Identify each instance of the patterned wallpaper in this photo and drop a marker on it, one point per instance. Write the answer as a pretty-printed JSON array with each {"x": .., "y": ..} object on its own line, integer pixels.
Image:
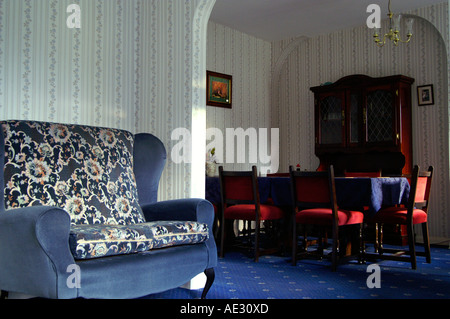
[
  {"x": 313, "y": 61},
  {"x": 133, "y": 64}
]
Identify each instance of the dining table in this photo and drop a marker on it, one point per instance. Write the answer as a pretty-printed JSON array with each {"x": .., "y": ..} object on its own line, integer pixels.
[
  {"x": 351, "y": 192},
  {"x": 367, "y": 194}
]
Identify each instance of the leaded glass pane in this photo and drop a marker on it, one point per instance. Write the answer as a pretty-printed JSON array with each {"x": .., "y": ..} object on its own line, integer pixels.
[
  {"x": 331, "y": 120},
  {"x": 379, "y": 116}
]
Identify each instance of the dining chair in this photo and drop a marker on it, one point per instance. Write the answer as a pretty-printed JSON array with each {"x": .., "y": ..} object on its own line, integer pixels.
[
  {"x": 241, "y": 201},
  {"x": 413, "y": 213},
  {"x": 314, "y": 203}
]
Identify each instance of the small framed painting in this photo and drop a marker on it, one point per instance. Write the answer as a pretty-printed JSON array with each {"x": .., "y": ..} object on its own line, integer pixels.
[
  {"x": 425, "y": 95},
  {"x": 218, "y": 89}
]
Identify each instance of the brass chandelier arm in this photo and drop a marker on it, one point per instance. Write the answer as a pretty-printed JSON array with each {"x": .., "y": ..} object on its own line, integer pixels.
[{"x": 393, "y": 36}]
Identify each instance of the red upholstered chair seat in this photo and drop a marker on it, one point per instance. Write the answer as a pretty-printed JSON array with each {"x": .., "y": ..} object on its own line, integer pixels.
[
  {"x": 247, "y": 212},
  {"x": 323, "y": 217},
  {"x": 397, "y": 215}
]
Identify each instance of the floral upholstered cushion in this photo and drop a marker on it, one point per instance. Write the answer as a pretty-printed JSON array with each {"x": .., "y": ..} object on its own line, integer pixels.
[
  {"x": 87, "y": 171},
  {"x": 92, "y": 241}
]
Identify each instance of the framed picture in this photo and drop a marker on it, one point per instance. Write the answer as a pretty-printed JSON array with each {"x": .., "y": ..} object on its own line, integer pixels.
[
  {"x": 425, "y": 94},
  {"x": 218, "y": 89}
]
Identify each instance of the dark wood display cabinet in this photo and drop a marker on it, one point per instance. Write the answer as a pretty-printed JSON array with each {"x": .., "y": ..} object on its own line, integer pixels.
[{"x": 364, "y": 124}]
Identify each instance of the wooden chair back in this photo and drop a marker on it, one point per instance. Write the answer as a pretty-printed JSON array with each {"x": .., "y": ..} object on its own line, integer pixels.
[
  {"x": 313, "y": 189},
  {"x": 239, "y": 187}
]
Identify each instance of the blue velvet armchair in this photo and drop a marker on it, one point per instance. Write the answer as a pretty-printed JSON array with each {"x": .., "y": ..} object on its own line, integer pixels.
[{"x": 79, "y": 216}]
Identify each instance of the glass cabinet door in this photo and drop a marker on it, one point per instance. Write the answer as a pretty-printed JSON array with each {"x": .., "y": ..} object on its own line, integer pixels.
[
  {"x": 379, "y": 116},
  {"x": 331, "y": 119}
]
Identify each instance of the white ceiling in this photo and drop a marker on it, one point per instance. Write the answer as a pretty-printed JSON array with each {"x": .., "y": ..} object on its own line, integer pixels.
[{"x": 273, "y": 20}]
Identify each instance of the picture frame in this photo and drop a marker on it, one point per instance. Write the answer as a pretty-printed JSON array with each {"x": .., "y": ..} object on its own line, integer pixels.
[
  {"x": 219, "y": 89},
  {"x": 425, "y": 95}
]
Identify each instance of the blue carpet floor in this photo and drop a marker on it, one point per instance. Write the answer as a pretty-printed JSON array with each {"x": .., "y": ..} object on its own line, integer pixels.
[{"x": 273, "y": 277}]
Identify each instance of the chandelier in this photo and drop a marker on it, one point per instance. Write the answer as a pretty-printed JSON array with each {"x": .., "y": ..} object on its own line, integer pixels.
[{"x": 394, "y": 30}]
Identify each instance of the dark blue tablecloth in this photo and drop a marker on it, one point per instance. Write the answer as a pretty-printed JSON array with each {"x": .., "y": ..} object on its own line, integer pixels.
[{"x": 350, "y": 192}]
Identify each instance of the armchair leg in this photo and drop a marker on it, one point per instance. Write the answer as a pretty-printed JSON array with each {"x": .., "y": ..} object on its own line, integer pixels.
[{"x": 210, "y": 275}]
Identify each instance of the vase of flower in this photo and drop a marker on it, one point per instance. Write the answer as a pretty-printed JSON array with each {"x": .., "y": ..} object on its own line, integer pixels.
[
  {"x": 211, "y": 162},
  {"x": 210, "y": 169}
]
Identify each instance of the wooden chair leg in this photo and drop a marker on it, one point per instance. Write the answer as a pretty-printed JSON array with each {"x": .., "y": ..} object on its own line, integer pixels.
[
  {"x": 426, "y": 242},
  {"x": 217, "y": 222},
  {"x": 362, "y": 245},
  {"x": 257, "y": 228},
  {"x": 247, "y": 230},
  {"x": 222, "y": 237},
  {"x": 305, "y": 243},
  {"x": 335, "y": 252},
  {"x": 380, "y": 238},
  {"x": 376, "y": 238},
  {"x": 320, "y": 242},
  {"x": 412, "y": 246},
  {"x": 294, "y": 244}
]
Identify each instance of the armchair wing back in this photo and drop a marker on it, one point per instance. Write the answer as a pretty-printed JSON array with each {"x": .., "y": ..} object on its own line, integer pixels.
[{"x": 148, "y": 151}]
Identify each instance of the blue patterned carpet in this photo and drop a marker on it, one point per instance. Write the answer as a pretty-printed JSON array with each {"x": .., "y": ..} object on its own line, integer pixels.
[{"x": 273, "y": 277}]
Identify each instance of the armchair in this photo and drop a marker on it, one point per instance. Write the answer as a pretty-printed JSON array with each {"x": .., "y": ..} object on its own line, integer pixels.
[{"x": 79, "y": 216}]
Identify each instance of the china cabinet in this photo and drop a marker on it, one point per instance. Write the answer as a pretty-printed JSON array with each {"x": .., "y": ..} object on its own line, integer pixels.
[{"x": 364, "y": 124}]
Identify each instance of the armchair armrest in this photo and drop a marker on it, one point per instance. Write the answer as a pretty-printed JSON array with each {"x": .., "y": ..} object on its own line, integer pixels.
[
  {"x": 192, "y": 209},
  {"x": 34, "y": 250}
]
